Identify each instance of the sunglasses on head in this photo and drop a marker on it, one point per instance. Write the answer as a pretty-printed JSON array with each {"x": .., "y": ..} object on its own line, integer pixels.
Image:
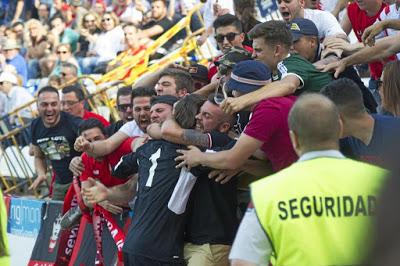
[
  {"x": 124, "y": 107},
  {"x": 230, "y": 37}
]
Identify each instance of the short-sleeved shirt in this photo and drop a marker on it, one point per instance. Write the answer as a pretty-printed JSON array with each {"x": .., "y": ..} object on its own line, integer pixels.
[
  {"x": 87, "y": 115},
  {"x": 165, "y": 23},
  {"x": 131, "y": 129},
  {"x": 101, "y": 170},
  {"x": 326, "y": 23},
  {"x": 269, "y": 124},
  {"x": 385, "y": 135},
  {"x": 57, "y": 144},
  {"x": 311, "y": 80},
  {"x": 389, "y": 12},
  {"x": 360, "y": 21}
]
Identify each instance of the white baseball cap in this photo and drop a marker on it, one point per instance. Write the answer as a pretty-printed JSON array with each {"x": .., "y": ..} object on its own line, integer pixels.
[{"x": 8, "y": 76}]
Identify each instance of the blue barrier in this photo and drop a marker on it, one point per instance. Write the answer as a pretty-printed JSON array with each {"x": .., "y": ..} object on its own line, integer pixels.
[{"x": 25, "y": 217}]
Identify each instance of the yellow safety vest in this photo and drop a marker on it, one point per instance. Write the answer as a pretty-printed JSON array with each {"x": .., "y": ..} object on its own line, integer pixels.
[
  {"x": 4, "y": 261},
  {"x": 318, "y": 212}
]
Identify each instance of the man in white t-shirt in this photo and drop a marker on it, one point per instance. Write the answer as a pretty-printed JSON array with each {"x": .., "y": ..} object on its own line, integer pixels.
[
  {"x": 326, "y": 23},
  {"x": 141, "y": 119},
  {"x": 16, "y": 96}
]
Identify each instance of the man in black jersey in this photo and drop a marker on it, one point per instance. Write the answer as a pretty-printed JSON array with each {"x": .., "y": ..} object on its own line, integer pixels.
[{"x": 156, "y": 236}]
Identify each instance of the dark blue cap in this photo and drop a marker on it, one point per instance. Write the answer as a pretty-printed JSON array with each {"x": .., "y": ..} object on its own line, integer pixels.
[
  {"x": 302, "y": 27},
  {"x": 248, "y": 76}
]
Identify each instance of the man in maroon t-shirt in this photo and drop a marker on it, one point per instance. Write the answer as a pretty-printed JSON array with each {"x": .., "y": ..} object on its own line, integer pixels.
[
  {"x": 72, "y": 102},
  {"x": 267, "y": 129}
]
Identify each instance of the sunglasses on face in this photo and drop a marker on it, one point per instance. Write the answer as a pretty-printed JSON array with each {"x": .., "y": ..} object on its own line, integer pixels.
[
  {"x": 124, "y": 107},
  {"x": 230, "y": 37},
  {"x": 62, "y": 52},
  {"x": 105, "y": 19}
]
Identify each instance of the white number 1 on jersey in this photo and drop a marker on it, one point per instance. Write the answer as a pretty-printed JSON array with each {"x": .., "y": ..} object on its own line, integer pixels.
[{"x": 153, "y": 159}]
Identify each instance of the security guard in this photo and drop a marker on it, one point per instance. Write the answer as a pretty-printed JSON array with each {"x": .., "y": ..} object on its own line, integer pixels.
[
  {"x": 4, "y": 252},
  {"x": 317, "y": 211}
]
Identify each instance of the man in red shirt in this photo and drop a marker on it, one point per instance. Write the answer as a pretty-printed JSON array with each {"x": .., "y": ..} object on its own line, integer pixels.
[
  {"x": 99, "y": 168},
  {"x": 72, "y": 102},
  {"x": 360, "y": 15}
]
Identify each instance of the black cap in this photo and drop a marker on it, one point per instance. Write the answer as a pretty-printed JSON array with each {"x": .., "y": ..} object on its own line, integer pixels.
[{"x": 199, "y": 72}]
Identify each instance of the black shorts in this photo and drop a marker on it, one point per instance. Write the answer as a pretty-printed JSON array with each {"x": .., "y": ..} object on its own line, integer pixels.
[{"x": 137, "y": 260}]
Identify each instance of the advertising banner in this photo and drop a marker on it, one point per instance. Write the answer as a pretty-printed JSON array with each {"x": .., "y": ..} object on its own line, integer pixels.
[{"x": 25, "y": 217}]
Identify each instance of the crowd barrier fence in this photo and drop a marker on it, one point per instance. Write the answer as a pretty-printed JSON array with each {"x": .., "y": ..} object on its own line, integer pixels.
[{"x": 17, "y": 165}]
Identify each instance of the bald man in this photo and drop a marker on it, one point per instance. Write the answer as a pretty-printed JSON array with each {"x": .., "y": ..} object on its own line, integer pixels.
[{"x": 317, "y": 211}]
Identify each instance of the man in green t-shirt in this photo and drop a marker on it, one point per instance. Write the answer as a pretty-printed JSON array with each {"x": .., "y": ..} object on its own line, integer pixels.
[{"x": 292, "y": 73}]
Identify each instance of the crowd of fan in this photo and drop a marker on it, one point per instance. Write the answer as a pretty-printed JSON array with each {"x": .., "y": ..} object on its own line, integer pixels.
[{"x": 236, "y": 106}]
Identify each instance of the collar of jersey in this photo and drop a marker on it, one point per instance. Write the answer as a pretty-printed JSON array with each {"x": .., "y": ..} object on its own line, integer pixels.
[{"x": 324, "y": 153}]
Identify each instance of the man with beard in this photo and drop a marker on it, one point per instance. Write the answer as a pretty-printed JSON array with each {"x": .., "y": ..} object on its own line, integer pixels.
[
  {"x": 125, "y": 109},
  {"x": 53, "y": 137},
  {"x": 157, "y": 230},
  {"x": 141, "y": 115}
]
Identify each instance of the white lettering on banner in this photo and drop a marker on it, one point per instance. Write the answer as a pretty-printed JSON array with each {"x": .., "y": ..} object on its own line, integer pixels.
[
  {"x": 114, "y": 232},
  {"x": 25, "y": 217},
  {"x": 25, "y": 214},
  {"x": 71, "y": 240},
  {"x": 120, "y": 244}
]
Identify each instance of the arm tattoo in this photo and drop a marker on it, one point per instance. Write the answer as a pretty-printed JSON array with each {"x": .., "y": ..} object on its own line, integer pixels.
[{"x": 193, "y": 137}]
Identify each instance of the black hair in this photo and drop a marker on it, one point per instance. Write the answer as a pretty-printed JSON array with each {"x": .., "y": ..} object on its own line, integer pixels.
[
  {"x": 166, "y": 99},
  {"x": 92, "y": 123},
  {"x": 75, "y": 89},
  {"x": 47, "y": 89},
  {"x": 228, "y": 20},
  {"x": 56, "y": 17},
  {"x": 124, "y": 91},
  {"x": 183, "y": 79},
  {"x": 346, "y": 95},
  {"x": 273, "y": 32},
  {"x": 143, "y": 92}
]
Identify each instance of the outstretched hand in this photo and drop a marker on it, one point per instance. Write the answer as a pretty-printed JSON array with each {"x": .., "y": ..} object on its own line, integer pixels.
[{"x": 336, "y": 67}]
